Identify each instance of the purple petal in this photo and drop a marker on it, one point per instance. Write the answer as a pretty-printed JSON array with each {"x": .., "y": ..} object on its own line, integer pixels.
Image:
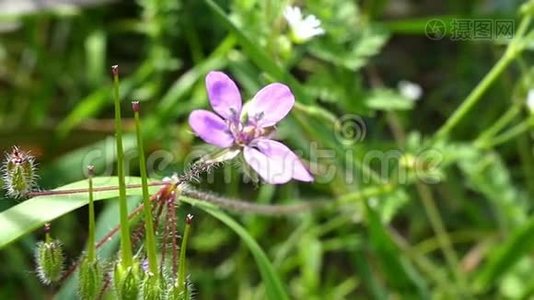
[
  {"x": 274, "y": 162},
  {"x": 224, "y": 95},
  {"x": 270, "y": 104},
  {"x": 211, "y": 128}
]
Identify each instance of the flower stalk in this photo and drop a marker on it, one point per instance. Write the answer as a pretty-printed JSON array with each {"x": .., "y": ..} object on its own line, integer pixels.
[
  {"x": 90, "y": 275},
  {"x": 149, "y": 226},
  {"x": 126, "y": 245},
  {"x": 91, "y": 247},
  {"x": 182, "y": 270}
]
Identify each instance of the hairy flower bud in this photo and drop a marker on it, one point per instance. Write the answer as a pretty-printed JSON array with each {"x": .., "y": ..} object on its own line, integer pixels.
[
  {"x": 50, "y": 261},
  {"x": 90, "y": 279},
  {"x": 18, "y": 173},
  {"x": 126, "y": 281}
]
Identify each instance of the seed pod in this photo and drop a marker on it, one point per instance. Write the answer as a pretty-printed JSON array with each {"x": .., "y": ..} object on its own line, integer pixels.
[
  {"x": 126, "y": 281},
  {"x": 175, "y": 292},
  {"x": 90, "y": 279},
  {"x": 18, "y": 173},
  {"x": 152, "y": 288},
  {"x": 50, "y": 261}
]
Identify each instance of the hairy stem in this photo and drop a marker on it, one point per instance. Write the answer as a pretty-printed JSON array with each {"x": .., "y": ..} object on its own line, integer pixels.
[{"x": 95, "y": 189}]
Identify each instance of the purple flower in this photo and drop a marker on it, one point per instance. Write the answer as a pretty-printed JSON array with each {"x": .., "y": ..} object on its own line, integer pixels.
[{"x": 248, "y": 129}]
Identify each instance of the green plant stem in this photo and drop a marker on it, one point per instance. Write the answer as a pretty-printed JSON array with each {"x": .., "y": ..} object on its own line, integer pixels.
[
  {"x": 48, "y": 238},
  {"x": 442, "y": 236},
  {"x": 504, "y": 120},
  {"x": 510, "y": 133},
  {"x": 182, "y": 270},
  {"x": 126, "y": 244},
  {"x": 475, "y": 95},
  {"x": 429, "y": 204},
  {"x": 91, "y": 252},
  {"x": 514, "y": 49},
  {"x": 149, "y": 226}
]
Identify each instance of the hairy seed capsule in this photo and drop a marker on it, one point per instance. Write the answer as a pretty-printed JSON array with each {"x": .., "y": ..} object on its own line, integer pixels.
[
  {"x": 50, "y": 261},
  {"x": 90, "y": 279},
  {"x": 18, "y": 173},
  {"x": 175, "y": 292},
  {"x": 152, "y": 288},
  {"x": 126, "y": 281}
]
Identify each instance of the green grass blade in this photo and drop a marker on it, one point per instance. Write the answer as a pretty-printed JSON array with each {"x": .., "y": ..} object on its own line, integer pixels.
[{"x": 399, "y": 272}]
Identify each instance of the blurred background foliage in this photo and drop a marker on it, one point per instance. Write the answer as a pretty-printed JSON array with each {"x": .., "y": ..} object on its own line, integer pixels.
[{"x": 383, "y": 240}]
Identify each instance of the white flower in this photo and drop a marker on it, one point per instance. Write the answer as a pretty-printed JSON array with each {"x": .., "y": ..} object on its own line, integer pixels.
[
  {"x": 530, "y": 100},
  {"x": 302, "y": 29},
  {"x": 410, "y": 90}
]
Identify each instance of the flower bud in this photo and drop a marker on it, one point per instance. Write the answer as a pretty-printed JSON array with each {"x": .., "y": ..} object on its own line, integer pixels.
[
  {"x": 50, "y": 261},
  {"x": 90, "y": 279},
  {"x": 126, "y": 281},
  {"x": 18, "y": 173}
]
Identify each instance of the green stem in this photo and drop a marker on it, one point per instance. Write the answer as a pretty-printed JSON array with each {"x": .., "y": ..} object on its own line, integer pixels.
[
  {"x": 48, "y": 238},
  {"x": 126, "y": 244},
  {"x": 504, "y": 120},
  {"x": 510, "y": 133},
  {"x": 429, "y": 204},
  {"x": 91, "y": 250},
  {"x": 514, "y": 49},
  {"x": 149, "y": 226},
  {"x": 182, "y": 266},
  {"x": 475, "y": 95},
  {"x": 442, "y": 236}
]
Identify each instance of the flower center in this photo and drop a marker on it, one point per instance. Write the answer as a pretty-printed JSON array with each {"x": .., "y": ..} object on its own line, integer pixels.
[{"x": 244, "y": 133}]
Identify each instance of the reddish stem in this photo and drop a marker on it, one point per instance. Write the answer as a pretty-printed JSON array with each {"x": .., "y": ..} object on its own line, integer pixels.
[{"x": 99, "y": 189}]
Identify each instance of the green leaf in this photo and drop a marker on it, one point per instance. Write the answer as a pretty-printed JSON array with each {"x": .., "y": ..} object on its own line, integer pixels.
[
  {"x": 33, "y": 213},
  {"x": 357, "y": 52},
  {"x": 273, "y": 284},
  {"x": 487, "y": 174},
  {"x": 421, "y": 26}
]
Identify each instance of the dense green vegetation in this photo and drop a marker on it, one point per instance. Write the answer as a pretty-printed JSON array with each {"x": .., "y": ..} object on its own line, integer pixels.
[{"x": 412, "y": 116}]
